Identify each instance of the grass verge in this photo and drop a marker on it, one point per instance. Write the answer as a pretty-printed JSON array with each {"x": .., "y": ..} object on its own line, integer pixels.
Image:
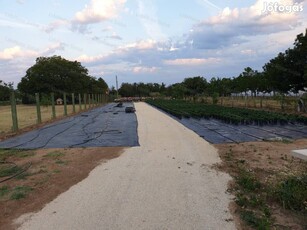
[{"x": 270, "y": 186}]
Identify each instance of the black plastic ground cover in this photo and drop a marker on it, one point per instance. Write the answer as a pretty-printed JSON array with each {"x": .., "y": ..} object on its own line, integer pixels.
[
  {"x": 107, "y": 126},
  {"x": 217, "y": 132}
]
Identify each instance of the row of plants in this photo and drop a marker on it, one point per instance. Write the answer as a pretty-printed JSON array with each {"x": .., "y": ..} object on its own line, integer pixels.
[{"x": 183, "y": 109}]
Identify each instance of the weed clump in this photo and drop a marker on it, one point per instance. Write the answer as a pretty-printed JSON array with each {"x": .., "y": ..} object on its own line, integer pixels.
[
  {"x": 250, "y": 196},
  {"x": 292, "y": 193},
  {"x": 20, "y": 192}
]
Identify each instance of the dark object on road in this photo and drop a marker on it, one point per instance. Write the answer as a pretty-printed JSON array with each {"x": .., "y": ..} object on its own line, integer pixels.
[
  {"x": 130, "y": 109},
  {"x": 120, "y": 104}
]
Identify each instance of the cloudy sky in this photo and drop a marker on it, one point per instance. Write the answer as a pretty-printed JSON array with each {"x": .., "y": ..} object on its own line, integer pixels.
[{"x": 148, "y": 40}]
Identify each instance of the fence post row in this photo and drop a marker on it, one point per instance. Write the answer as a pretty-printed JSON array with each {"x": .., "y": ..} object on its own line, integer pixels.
[{"x": 89, "y": 100}]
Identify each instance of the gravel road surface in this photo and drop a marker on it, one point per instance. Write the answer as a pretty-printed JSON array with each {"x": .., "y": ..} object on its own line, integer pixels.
[{"x": 165, "y": 183}]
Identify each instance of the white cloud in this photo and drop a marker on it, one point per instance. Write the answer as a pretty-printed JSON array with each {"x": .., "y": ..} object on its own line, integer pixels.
[
  {"x": 56, "y": 24},
  {"x": 114, "y": 36},
  {"x": 99, "y": 10},
  {"x": 16, "y": 52},
  {"x": 53, "y": 48},
  {"x": 140, "y": 45},
  {"x": 87, "y": 59},
  {"x": 192, "y": 61},
  {"x": 248, "y": 52},
  {"x": 236, "y": 26},
  {"x": 142, "y": 69}
]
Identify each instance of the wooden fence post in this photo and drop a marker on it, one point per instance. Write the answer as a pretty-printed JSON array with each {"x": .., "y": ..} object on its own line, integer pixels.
[
  {"x": 38, "y": 109},
  {"x": 89, "y": 101},
  {"x": 80, "y": 102},
  {"x": 73, "y": 102},
  {"x": 65, "y": 104},
  {"x": 53, "y": 106},
  {"x": 84, "y": 100},
  {"x": 14, "y": 112}
]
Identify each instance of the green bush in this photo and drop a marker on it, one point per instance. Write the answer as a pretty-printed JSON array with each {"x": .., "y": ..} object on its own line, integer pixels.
[{"x": 215, "y": 98}]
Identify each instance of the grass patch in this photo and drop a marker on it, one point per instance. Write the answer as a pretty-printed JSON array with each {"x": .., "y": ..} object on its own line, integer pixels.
[
  {"x": 25, "y": 154},
  {"x": 4, "y": 190},
  {"x": 61, "y": 162},
  {"x": 54, "y": 155},
  {"x": 9, "y": 170},
  {"x": 251, "y": 196},
  {"x": 258, "y": 222},
  {"x": 20, "y": 192},
  {"x": 23, "y": 176},
  {"x": 5, "y": 153},
  {"x": 247, "y": 180}
]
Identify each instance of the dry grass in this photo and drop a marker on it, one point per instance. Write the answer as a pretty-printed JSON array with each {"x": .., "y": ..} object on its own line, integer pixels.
[
  {"x": 267, "y": 103},
  {"x": 27, "y": 115}
]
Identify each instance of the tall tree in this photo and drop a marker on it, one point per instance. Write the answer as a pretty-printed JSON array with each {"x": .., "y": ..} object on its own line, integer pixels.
[
  {"x": 56, "y": 74},
  {"x": 195, "y": 85}
]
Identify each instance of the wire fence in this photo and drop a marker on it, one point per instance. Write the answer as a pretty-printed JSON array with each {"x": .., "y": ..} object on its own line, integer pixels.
[
  {"x": 287, "y": 104},
  {"x": 15, "y": 116}
]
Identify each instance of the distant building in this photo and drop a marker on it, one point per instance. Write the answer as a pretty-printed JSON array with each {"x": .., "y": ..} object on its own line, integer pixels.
[{"x": 59, "y": 101}]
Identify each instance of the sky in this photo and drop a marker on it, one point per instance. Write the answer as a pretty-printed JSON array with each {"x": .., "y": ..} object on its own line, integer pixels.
[{"x": 148, "y": 40}]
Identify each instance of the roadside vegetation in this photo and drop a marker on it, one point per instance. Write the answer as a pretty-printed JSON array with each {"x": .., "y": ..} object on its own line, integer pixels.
[{"x": 270, "y": 187}]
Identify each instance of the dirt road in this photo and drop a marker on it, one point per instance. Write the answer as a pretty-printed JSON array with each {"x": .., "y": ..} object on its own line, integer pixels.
[{"x": 166, "y": 183}]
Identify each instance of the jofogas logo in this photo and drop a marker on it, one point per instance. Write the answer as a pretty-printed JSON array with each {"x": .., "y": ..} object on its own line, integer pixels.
[{"x": 282, "y": 8}]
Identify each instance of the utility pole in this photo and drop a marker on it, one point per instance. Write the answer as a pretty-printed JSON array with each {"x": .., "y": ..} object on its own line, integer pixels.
[{"x": 116, "y": 88}]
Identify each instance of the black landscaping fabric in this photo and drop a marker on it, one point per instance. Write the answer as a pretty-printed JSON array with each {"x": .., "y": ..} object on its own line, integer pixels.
[
  {"x": 107, "y": 126},
  {"x": 217, "y": 132}
]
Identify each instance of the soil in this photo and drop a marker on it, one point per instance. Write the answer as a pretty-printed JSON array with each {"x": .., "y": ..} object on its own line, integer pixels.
[
  {"x": 52, "y": 172},
  {"x": 271, "y": 162}
]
